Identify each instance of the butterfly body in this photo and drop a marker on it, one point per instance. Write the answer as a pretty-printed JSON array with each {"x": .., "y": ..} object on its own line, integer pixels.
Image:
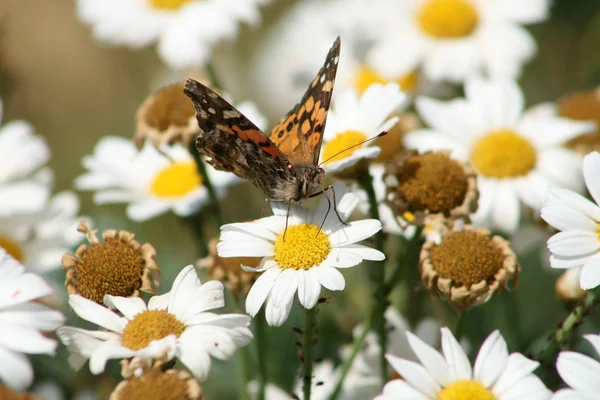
[{"x": 283, "y": 164}]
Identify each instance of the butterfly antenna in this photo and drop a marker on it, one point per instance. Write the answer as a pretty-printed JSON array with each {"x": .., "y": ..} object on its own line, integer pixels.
[{"x": 353, "y": 146}]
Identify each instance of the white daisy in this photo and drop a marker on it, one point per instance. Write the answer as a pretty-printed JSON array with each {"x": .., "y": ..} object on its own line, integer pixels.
[
  {"x": 578, "y": 245},
  {"x": 40, "y": 239},
  {"x": 24, "y": 184},
  {"x": 307, "y": 259},
  {"x": 580, "y": 372},
  {"x": 173, "y": 325},
  {"x": 457, "y": 39},
  {"x": 22, "y": 321},
  {"x": 353, "y": 119},
  {"x": 517, "y": 155},
  {"x": 152, "y": 182},
  {"x": 496, "y": 374},
  {"x": 185, "y": 30}
]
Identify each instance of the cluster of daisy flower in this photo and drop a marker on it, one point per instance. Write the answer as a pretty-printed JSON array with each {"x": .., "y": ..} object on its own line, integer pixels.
[{"x": 443, "y": 181}]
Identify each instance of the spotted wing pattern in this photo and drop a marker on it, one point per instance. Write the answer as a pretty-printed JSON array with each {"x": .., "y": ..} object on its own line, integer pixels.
[
  {"x": 233, "y": 143},
  {"x": 299, "y": 134}
]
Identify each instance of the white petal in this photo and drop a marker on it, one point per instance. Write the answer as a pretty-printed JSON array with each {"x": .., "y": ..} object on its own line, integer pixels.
[
  {"x": 433, "y": 361},
  {"x": 284, "y": 289},
  {"x": 591, "y": 172},
  {"x": 590, "y": 274},
  {"x": 560, "y": 196},
  {"x": 491, "y": 359},
  {"x": 517, "y": 368},
  {"x": 594, "y": 340},
  {"x": 128, "y": 306},
  {"x": 107, "y": 351},
  {"x": 573, "y": 243},
  {"x": 400, "y": 389},
  {"x": 309, "y": 289},
  {"x": 96, "y": 314},
  {"x": 354, "y": 232},
  {"x": 276, "y": 316},
  {"x": 579, "y": 371},
  {"x": 260, "y": 290},
  {"x": 328, "y": 277},
  {"x": 15, "y": 370},
  {"x": 563, "y": 219},
  {"x": 506, "y": 213},
  {"x": 415, "y": 375},
  {"x": 455, "y": 356}
]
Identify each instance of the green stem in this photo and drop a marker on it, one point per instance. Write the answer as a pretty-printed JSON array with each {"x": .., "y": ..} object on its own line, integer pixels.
[
  {"x": 195, "y": 222},
  {"x": 377, "y": 276},
  {"x": 350, "y": 360},
  {"x": 414, "y": 304},
  {"x": 212, "y": 77},
  {"x": 307, "y": 347},
  {"x": 459, "y": 328},
  {"x": 235, "y": 304},
  {"x": 261, "y": 350}
]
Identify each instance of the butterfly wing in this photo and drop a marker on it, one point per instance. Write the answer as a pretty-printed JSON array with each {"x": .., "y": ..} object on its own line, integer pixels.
[
  {"x": 233, "y": 143},
  {"x": 299, "y": 134}
]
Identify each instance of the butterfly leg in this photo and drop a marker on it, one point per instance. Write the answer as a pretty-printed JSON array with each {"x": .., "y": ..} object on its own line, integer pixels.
[
  {"x": 323, "y": 190},
  {"x": 262, "y": 214}
]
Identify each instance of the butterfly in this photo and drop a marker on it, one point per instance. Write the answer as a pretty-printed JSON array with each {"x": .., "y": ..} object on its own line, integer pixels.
[{"x": 284, "y": 163}]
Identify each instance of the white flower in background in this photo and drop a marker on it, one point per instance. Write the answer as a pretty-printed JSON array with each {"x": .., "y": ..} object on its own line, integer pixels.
[
  {"x": 174, "y": 325},
  {"x": 518, "y": 155},
  {"x": 48, "y": 390},
  {"x": 307, "y": 259},
  {"x": 40, "y": 239},
  {"x": 24, "y": 184},
  {"x": 151, "y": 181},
  {"x": 354, "y": 119},
  {"x": 580, "y": 372},
  {"x": 185, "y": 30},
  {"x": 495, "y": 375},
  {"x": 456, "y": 39},
  {"x": 22, "y": 321},
  {"x": 578, "y": 245}
]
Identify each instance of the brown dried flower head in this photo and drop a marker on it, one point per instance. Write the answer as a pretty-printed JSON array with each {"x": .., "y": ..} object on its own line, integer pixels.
[
  {"x": 430, "y": 188},
  {"x": 583, "y": 106},
  {"x": 7, "y": 393},
  {"x": 467, "y": 266},
  {"x": 157, "y": 384},
  {"x": 119, "y": 266},
  {"x": 165, "y": 117},
  {"x": 229, "y": 270}
]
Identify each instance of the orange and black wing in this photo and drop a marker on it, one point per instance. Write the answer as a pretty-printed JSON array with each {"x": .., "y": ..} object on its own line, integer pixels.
[
  {"x": 299, "y": 134},
  {"x": 232, "y": 142}
]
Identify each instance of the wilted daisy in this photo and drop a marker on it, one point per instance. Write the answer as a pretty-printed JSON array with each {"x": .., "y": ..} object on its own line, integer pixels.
[
  {"x": 173, "y": 325},
  {"x": 456, "y": 39},
  {"x": 578, "y": 218},
  {"x": 449, "y": 375},
  {"x": 118, "y": 266},
  {"x": 185, "y": 30},
  {"x": 580, "y": 373},
  {"x": 152, "y": 182},
  {"x": 354, "y": 119},
  {"x": 157, "y": 384},
  {"x": 168, "y": 116},
  {"x": 466, "y": 266},
  {"x": 25, "y": 184},
  {"x": 518, "y": 155},
  {"x": 302, "y": 258},
  {"x": 23, "y": 322},
  {"x": 39, "y": 239}
]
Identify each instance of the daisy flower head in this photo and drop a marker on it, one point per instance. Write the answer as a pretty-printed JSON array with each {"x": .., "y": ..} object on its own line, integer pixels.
[
  {"x": 579, "y": 372},
  {"x": 152, "y": 181},
  {"x": 449, "y": 375},
  {"x": 23, "y": 322},
  {"x": 453, "y": 40},
  {"x": 177, "y": 324},
  {"x": 25, "y": 184},
  {"x": 185, "y": 30},
  {"x": 355, "y": 118},
  {"x": 39, "y": 239},
  {"x": 154, "y": 383},
  {"x": 302, "y": 258},
  {"x": 578, "y": 219},
  {"x": 518, "y": 155}
]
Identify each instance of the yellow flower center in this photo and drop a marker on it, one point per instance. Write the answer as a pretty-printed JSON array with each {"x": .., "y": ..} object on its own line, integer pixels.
[
  {"x": 176, "y": 180},
  {"x": 304, "y": 247},
  {"x": 466, "y": 390},
  {"x": 448, "y": 19},
  {"x": 12, "y": 248},
  {"x": 503, "y": 154},
  {"x": 366, "y": 76},
  {"x": 150, "y": 325},
  {"x": 341, "y": 142},
  {"x": 168, "y": 5}
]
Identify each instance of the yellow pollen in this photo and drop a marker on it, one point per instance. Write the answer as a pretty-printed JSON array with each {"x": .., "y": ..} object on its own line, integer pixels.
[
  {"x": 12, "y": 248},
  {"x": 150, "y": 325},
  {"x": 341, "y": 142},
  {"x": 303, "y": 247},
  {"x": 466, "y": 390},
  {"x": 176, "y": 180},
  {"x": 503, "y": 154},
  {"x": 448, "y": 19},
  {"x": 366, "y": 76},
  {"x": 168, "y": 5}
]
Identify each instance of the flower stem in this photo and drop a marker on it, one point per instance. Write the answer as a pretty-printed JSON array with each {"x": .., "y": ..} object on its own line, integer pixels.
[
  {"x": 307, "y": 347},
  {"x": 350, "y": 360},
  {"x": 217, "y": 213},
  {"x": 261, "y": 351},
  {"x": 377, "y": 276},
  {"x": 412, "y": 278}
]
